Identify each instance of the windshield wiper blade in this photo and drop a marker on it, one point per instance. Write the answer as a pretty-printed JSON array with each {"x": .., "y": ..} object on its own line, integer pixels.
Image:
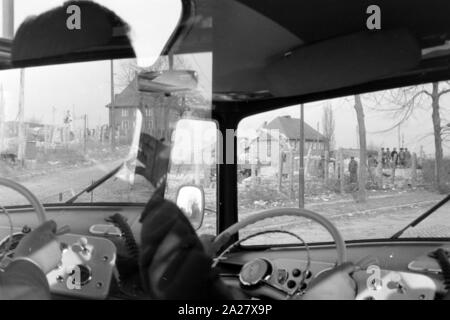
[
  {"x": 95, "y": 184},
  {"x": 422, "y": 217}
]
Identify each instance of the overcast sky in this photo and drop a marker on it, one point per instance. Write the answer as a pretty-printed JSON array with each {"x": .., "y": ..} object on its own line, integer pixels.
[{"x": 85, "y": 88}]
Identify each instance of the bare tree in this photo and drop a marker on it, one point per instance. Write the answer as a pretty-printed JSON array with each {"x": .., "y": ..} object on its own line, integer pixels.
[
  {"x": 362, "y": 174},
  {"x": 328, "y": 124},
  {"x": 404, "y": 101}
]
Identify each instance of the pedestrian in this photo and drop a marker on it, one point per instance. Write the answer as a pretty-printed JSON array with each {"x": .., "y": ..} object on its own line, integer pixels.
[
  {"x": 372, "y": 164},
  {"x": 407, "y": 158},
  {"x": 353, "y": 169},
  {"x": 372, "y": 161},
  {"x": 401, "y": 158},
  {"x": 383, "y": 158},
  {"x": 394, "y": 157},
  {"x": 388, "y": 157}
]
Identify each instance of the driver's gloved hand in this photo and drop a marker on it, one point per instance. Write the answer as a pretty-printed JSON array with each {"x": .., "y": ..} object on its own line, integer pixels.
[
  {"x": 41, "y": 247},
  {"x": 173, "y": 262},
  {"x": 37, "y": 254}
]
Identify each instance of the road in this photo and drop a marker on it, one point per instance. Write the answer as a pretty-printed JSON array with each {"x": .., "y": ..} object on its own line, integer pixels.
[
  {"x": 68, "y": 182},
  {"x": 381, "y": 216},
  {"x": 369, "y": 221}
]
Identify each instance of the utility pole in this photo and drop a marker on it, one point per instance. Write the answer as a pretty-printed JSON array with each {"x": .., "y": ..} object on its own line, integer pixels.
[
  {"x": 8, "y": 19},
  {"x": 112, "y": 110},
  {"x": 301, "y": 169},
  {"x": 21, "y": 118},
  {"x": 85, "y": 132},
  {"x": 2, "y": 119},
  {"x": 8, "y": 32},
  {"x": 53, "y": 115}
]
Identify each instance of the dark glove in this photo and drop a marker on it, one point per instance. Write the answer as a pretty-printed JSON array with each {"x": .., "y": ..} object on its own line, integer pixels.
[{"x": 173, "y": 262}]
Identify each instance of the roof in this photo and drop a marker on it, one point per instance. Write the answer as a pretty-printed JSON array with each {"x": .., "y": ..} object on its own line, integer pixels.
[
  {"x": 290, "y": 127},
  {"x": 128, "y": 98}
]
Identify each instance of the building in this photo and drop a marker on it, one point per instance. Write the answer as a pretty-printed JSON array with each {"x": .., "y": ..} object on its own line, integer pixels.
[
  {"x": 277, "y": 140},
  {"x": 290, "y": 129},
  {"x": 159, "y": 113}
]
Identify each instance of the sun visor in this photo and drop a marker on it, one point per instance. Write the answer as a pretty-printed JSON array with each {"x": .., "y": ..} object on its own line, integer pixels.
[{"x": 342, "y": 62}]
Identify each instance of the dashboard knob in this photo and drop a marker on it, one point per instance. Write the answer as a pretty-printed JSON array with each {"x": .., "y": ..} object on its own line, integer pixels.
[
  {"x": 296, "y": 273},
  {"x": 254, "y": 272}
]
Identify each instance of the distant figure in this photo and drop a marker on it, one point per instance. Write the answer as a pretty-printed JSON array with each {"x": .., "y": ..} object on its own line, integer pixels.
[
  {"x": 401, "y": 158},
  {"x": 195, "y": 213},
  {"x": 394, "y": 157},
  {"x": 383, "y": 157},
  {"x": 407, "y": 158},
  {"x": 388, "y": 157},
  {"x": 321, "y": 167},
  {"x": 372, "y": 162},
  {"x": 353, "y": 169},
  {"x": 11, "y": 157}
]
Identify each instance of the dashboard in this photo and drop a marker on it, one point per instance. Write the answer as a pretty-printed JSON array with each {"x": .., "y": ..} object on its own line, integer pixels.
[
  {"x": 96, "y": 260},
  {"x": 403, "y": 269}
]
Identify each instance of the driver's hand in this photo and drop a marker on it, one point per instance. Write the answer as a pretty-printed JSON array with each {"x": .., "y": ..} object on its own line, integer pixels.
[
  {"x": 41, "y": 247},
  {"x": 210, "y": 246},
  {"x": 336, "y": 284}
]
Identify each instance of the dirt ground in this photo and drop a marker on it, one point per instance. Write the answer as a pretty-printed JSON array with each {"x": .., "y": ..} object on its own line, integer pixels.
[{"x": 384, "y": 213}]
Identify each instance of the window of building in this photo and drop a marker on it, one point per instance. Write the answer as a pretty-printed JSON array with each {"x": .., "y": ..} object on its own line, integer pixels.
[{"x": 124, "y": 112}]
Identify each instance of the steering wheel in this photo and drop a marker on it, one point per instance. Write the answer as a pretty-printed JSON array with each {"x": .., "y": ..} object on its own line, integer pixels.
[
  {"x": 35, "y": 203},
  {"x": 13, "y": 239},
  {"x": 261, "y": 268}
]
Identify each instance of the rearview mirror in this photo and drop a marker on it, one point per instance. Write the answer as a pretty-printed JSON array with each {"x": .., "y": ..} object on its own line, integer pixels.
[
  {"x": 80, "y": 31},
  {"x": 191, "y": 200},
  {"x": 47, "y": 38},
  {"x": 168, "y": 81}
]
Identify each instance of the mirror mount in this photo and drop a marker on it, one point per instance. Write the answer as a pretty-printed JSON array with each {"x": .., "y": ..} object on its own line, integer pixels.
[{"x": 168, "y": 81}]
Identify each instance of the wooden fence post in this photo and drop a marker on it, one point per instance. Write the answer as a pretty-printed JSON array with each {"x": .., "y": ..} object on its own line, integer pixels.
[
  {"x": 379, "y": 170},
  {"x": 414, "y": 169},
  {"x": 341, "y": 170},
  {"x": 291, "y": 175},
  {"x": 280, "y": 171}
]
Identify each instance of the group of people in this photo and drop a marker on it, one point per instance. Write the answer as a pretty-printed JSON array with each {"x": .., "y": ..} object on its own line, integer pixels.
[{"x": 401, "y": 158}]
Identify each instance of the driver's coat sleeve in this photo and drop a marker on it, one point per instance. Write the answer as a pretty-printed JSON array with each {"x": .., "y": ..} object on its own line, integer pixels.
[
  {"x": 22, "y": 280},
  {"x": 173, "y": 263}
]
